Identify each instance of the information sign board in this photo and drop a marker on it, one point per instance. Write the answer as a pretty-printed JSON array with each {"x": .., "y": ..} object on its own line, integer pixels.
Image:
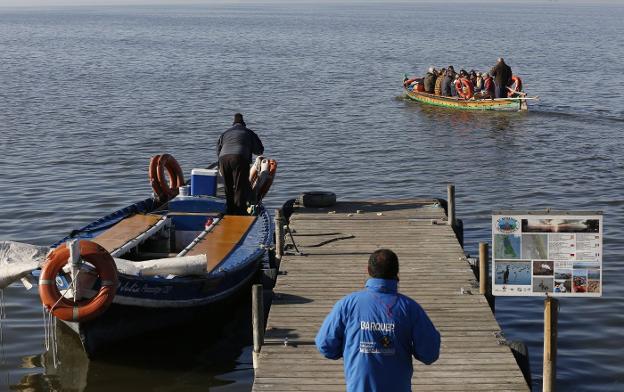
[{"x": 539, "y": 253}]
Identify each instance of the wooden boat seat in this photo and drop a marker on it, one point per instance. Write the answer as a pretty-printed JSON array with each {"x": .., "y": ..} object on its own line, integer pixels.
[
  {"x": 126, "y": 230},
  {"x": 222, "y": 240}
]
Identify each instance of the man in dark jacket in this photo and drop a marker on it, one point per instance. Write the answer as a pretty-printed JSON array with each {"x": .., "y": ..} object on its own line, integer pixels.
[
  {"x": 378, "y": 330},
  {"x": 234, "y": 149},
  {"x": 430, "y": 79},
  {"x": 502, "y": 76}
]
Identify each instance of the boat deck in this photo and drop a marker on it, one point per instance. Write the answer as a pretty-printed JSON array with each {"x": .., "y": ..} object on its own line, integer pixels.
[
  {"x": 221, "y": 240},
  {"x": 125, "y": 230},
  {"x": 336, "y": 243}
]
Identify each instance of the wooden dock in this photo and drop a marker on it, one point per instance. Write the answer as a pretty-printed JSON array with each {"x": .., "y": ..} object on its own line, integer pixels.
[{"x": 336, "y": 243}]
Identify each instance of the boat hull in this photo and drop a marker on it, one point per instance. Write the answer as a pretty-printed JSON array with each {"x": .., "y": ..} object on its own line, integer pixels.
[
  {"x": 122, "y": 322},
  {"x": 144, "y": 304},
  {"x": 500, "y": 104}
]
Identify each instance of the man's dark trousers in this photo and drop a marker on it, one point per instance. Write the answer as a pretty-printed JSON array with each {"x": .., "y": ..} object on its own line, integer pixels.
[{"x": 235, "y": 170}]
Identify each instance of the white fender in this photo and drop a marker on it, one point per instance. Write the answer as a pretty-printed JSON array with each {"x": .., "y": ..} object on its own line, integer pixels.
[{"x": 255, "y": 169}]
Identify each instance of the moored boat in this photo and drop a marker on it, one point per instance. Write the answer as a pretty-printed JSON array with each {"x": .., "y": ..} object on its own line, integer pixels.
[{"x": 157, "y": 263}]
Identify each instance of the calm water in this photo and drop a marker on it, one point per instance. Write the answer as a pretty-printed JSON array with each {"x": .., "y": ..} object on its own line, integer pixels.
[{"x": 87, "y": 95}]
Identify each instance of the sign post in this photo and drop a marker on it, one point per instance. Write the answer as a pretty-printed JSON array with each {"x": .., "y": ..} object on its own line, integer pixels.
[
  {"x": 551, "y": 313},
  {"x": 547, "y": 253}
]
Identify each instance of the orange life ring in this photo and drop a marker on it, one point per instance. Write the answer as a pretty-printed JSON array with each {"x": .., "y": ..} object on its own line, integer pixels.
[
  {"x": 464, "y": 88},
  {"x": 153, "y": 168},
  {"x": 163, "y": 189},
  {"x": 66, "y": 309},
  {"x": 516, "y": 86}
]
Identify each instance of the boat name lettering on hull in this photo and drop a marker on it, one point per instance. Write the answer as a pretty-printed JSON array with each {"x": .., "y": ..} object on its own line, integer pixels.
[{"x": 145, "y": 288}]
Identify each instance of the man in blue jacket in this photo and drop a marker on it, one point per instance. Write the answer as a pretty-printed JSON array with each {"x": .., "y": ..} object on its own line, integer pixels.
[{"x": 377, "y": 331}]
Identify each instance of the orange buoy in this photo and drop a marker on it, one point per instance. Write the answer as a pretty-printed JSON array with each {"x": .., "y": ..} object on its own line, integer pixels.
[
  {"x": 516, "y": 86},
  {"x": 66, "y": 309},
  {"x": 164, "y": 189},
  {"x": 464, "y": 88}
]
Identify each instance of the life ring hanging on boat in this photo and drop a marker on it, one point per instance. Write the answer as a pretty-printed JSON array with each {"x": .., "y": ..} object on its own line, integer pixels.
[
  {"x": 516, "y": 86},
  {"x": 464, "y": 88},
  {"x": 66, "y": 309},
  {"x": 164, "y": 189},
  {"x": 261, "y": 175}
]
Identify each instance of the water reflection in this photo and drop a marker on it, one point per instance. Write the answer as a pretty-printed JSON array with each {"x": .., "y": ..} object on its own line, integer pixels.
[{"x": 209, "y": 352}]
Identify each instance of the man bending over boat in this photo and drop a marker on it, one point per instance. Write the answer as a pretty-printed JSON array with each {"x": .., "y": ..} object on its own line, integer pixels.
[
  {"x": 377, "y": 331},
  {"x": 234, "y": 149}
]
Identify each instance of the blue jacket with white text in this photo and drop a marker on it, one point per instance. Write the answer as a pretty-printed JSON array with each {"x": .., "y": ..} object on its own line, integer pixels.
[{"x": 377, "y": 331}]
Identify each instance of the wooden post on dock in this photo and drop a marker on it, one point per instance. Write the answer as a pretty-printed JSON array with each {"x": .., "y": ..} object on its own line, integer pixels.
[
  {"x": 257, "y": 319},
  {"x": 483, "y": 263},
  {"x": 450, "y": 190},
  {"x": 485, "y": 285},
  {"x": 551, "y": 311},
  {"x": 279, "y": 234}
]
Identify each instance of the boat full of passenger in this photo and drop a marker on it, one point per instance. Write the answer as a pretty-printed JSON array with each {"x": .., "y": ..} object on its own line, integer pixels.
[{"x": 468, "y": 90}]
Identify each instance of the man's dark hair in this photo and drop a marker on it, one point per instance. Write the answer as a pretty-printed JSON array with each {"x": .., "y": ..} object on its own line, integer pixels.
[
  {"x": 238, "y": 119},
  {"x": 384, "y": 264}
]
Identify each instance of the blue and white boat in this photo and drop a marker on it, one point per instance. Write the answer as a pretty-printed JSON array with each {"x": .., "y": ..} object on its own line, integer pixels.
[{"x": 157, "y": 263}]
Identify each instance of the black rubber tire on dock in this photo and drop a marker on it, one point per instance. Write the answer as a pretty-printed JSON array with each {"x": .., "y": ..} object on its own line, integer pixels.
[{"x": 317, "y": 199}]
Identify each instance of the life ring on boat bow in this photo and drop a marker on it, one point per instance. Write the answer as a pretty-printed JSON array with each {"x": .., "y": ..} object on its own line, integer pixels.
[
  {"x": 164, "y": 189},
  {"x": 516, "y": 86},
  {"x": 66, "y": 309},
  {"x": 464, "y": 88}
]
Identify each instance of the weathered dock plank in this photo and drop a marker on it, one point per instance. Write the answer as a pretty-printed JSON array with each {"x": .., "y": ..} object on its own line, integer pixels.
[{"x": 336, "y": 243}]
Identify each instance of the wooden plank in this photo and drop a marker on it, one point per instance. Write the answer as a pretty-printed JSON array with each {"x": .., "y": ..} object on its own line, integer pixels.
[
  {"x": 126, "y": 230},
  {"x": 336, "y": 243},
  {"x": 225, "y": 236}
]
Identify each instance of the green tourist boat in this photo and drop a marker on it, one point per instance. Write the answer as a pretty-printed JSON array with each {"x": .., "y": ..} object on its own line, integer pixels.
[{"x": 511, "y": 104}]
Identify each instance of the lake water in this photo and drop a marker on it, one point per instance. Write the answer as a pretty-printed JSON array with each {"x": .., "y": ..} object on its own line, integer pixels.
[{"x": 87, "y": 95}]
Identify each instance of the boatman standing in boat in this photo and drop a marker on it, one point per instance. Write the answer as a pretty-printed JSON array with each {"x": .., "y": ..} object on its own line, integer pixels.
[
  {"x": 502, "y": 76},
  {"x": 377, "y": 331},
  {"x": 234, "y": 149}
]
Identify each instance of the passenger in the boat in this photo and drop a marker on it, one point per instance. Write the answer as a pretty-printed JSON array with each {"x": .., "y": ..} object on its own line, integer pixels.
[
  {"x": 487, "y": 90},
  {"x": 502, "y": 76},
  {"x": 449, "y": 76},
  {"x": 478, "y": 82},
  {"x": 453, "y": 88},
  {"x": 472, "y": 76},
  {"x": 430, "y": 79},
  {"x": 377, "y": 331},
  {"x": 438, "y": 83},
  {"x": 234, "y": 149}
]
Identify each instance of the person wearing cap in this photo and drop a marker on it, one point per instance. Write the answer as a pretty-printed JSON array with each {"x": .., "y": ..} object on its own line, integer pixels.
[
  {"x": 502, "y": 76},
  {"x": 234, "y": 149},
  {"x": 430, "y": 79},
  {"x": 377, "y": 331}
]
